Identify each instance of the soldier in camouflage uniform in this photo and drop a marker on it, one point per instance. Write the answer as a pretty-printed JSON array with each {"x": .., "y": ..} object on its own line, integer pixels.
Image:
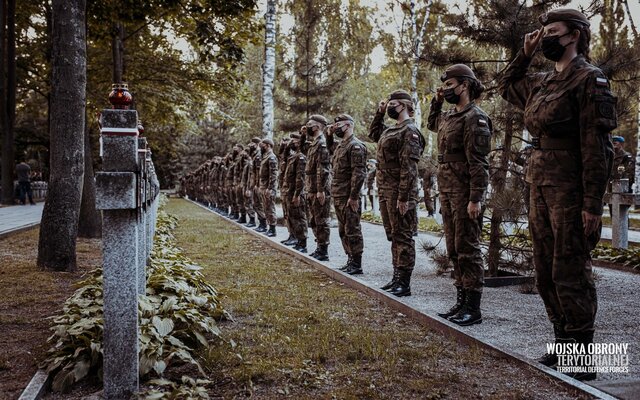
[
  {"x": 247, "y": 187},
  {"x": 283, "y": 156},
  {"x": 294, "y": 193},
  {"x": 243, "y": 159},
  {"x": 228, "y": 184},
  {"x": 371, "y": 180},
  {"x": 222, "y": 174},
  {"x": 521, "y": 159},
  {"x": 255, "y": 187},
  {"x": 464, "y": 140},
  {"x": 623, "y": 163},
  {"x": 570, "y": 113},
  {"x": 318, "y": 184},
  {"x": 349, "y": 172},
  {"x": 398, "y": 153},
  {"x": 428, "y": 181},
  {"x": 269, "y": 184}
]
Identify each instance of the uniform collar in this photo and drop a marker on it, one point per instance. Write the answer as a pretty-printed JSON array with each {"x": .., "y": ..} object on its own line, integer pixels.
[
  {"x": 466, "y": 108},
  {"x": 569, "y": 71},
  {"x": 403, "y": 123}
]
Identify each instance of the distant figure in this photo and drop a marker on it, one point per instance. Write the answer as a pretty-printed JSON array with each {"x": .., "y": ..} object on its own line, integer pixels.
[
  {"x": 23, "y": 170},
  {"x": 623, "y": 163}
]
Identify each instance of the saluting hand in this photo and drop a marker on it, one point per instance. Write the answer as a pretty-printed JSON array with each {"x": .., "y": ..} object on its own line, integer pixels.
[
  {"x": 382, "y": 107},
  {"x": 531, "y": 41},
  {"x": 440, "y": 94}
]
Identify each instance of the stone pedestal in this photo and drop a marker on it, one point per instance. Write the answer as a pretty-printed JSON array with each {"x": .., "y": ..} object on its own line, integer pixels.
[{"x": 619, "y": 214}]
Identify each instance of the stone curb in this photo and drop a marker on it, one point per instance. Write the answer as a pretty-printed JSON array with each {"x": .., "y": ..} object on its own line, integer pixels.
[
  {"x": 19, "y": 229},
  {"x": 440, "y": 325},
  {"x": 37, "y": 387}
]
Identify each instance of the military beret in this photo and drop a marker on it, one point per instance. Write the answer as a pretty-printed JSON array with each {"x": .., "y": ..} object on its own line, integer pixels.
[
  {"x": 563, "y": 14},
  {"x": 267, "y": 141},
  {"x": 294, "y": 135},
  {"x": 344, "y": 117},
  {"x": 241, "y": 147},
  {"x": 618, "y": 139},
  {"x": 319, "y": 118},
  {"x": 458, "y": 71},
  {"x": 256, "y": 140},
  {"x": 372, "y": 161},
  {"x": 400, "y": 95}
]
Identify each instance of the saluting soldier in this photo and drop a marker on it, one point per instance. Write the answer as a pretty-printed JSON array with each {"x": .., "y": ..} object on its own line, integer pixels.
[
  {"x": 269, "y": 184},
  {"x": 464, "y": 141},
  {"x": 318, "y": 184},
  {"x": 295, "y": 194},
  {"x": 570, "y": 113},
  {"x": 349, "y": 172},
  {"x": 398, "y": 153}
]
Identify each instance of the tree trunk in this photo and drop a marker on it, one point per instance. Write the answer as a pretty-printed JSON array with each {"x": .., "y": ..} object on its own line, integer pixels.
[
  {"x": 7, "y": 141},
  {"x": 59, "y": 226},
  {"x": 417, "y": 36},
  {"x": 11, "y": 74},
  {"x": 269, "y": 70},
  {"x": 90, "y": 223}
]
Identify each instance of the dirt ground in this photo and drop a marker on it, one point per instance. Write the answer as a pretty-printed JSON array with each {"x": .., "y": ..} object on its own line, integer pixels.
[{"x": 28, "y": 295}]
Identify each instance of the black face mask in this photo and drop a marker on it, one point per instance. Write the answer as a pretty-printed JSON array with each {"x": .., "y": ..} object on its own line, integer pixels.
[
  {"x": 393, "y": 113},
  {"x": 235, "y": 153},
  {"x": 551, "y": 47},
  {"x": 450, "y": 95},
  {"x": 340, "y": 132}
]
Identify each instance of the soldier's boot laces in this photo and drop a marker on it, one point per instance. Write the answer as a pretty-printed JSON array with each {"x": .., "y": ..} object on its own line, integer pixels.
[
  {"x": 392, "y": 283},
  {"x": 243, "y": 218},
  {"x": 262, "y": 227},
  {"x": 356, "y": 265},
  {"x": 460, "y": 298},
  {"x": 272, "y": 231},
  {"x": 347, "y": 265},
  {"x": 470, "y": 313},
  {"x": 251, "y": 223},
  {"x": 301, "y": 246},
  {"x": 551, "y": 359},
  {"x": 322, "y": 254},
  {"x": 402, "y": 287}
]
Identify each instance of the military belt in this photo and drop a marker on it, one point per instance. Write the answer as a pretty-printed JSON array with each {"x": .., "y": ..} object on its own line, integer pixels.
[
  {"x": 388, "y": 165},
  {"x": 545, "y": 143},
  {"x": 452, "y": 157}
]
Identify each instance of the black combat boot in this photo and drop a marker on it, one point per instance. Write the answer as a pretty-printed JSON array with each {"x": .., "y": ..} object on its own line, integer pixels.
[
  {"x": 347, "y": 265},
  {"x": 301, "y": 246},
  {"x": 292, "y": 241},
  {"x": 251, "y": 223},
  {"x": 402, "y": 287},
  {"x": 243, "y": 218},
  {"x": 272, "y": 231},
  {"x": 262, "y": 227},
  {"x": 469, "y": 314},
  {"x": 288, "y": 240},
  {"x": 322, "y": 254},
  {"x": 356, "y": 265},
  {"x": 551, "y": 359},
  {"x": 315, "y": 252},
  {"x": 584, "y": 338},
  {"x": 392, "y": 283},
  {"x": 460, "y": 298}
]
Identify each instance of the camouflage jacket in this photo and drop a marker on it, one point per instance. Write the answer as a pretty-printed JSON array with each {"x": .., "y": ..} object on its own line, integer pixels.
[
  {"x": 246, "y": 175},
  {"x": 398, "y": 153},
  {"x": 575, "y": 106},
  {"x": 294, "y": 180},
  {"x": 349, "y": 168},
  {"x": 238, "y": 170},
  {"x": 465, "y": 134},
  {"x": 269, "y": 172},
  {"x": 318, "y": 169},
  {"x": 254, "y": 180},
  {"x": 228, "y": 181}
]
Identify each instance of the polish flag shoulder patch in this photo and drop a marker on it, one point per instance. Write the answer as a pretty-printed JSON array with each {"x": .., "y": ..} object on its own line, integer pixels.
[{"x": 602, "y": 82}]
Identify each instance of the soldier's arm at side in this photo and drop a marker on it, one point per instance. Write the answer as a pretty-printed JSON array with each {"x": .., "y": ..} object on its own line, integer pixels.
[
  {"x": 323, "y": 170},
  {"x": 358, "y": 170},
  {"x": 273, "y": 173},
  {"x": 597, "y": 120},
  {"x": 302, "y": 162},
  {"x": 377, "y": 126},
  {"x": 477, "y": 144},
  {"x": 409, "y": 157},
  {"x": 515, "y": 83}
]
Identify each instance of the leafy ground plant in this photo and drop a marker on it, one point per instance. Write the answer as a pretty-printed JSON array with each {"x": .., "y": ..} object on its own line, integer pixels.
[{"x": 177, "y": 318}]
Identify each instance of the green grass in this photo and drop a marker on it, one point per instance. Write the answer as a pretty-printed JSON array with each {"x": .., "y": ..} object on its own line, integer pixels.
[{"x": 298, "y": 334}]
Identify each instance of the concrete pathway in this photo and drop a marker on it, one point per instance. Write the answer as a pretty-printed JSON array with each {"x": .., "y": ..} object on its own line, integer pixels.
[
  {"x": 511, "y": 319},
  {"x": 14, "y": 218}
]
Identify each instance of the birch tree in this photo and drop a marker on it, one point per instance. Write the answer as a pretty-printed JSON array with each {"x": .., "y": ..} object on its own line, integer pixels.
[
  {"x": 416, "y": 47},
  {"x": 269, "y": 69}
]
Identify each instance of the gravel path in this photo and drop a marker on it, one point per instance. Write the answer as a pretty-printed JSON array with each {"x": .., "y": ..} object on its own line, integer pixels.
[{"x": 511, "y": 319}]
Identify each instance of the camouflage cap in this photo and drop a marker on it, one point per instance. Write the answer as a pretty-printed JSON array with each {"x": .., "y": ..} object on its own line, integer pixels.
[
  {"x": 318, "y": 118},
  {"x": 619, "y": 139},
  {"x": 256, "y": 140},
  {"x": 344, "y": 117},
  {"x": 458, "y": 71},
  {"x": 267, "y": 141},
  {"x": 400, "y": 95},
  {"x": 563, "y": 14}
]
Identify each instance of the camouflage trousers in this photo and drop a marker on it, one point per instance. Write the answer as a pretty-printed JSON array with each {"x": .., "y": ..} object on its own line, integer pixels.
[
  {"x": 349, "y": 226},
  {"x": 399, "y": 230},
  {"x": 320, "y": 218},
  {"x": 429, "y": 201},
  {"x": 257, "y": 202},
  {"x": 462, "y": 235},
  {"x": 561, "y": 255},
  {"x": 269, "y": 204},
  {"x": 248, "y": 203},
  {"x": 297, "y": 218},
  {"x": 240, "y": 199},
  {"x": 285, "y": 209},
  {"x": 231, "y": 196}
]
